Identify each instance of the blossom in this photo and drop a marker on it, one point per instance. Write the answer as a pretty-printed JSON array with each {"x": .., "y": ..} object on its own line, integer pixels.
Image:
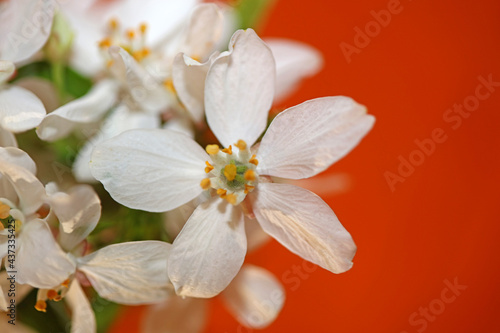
[
  {"x": 159, "y": 170},
  {"x": 135, "y": 90}
]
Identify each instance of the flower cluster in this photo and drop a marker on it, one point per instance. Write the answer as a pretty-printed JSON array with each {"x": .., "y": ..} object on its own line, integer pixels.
[{"x": 150, "y": 100}]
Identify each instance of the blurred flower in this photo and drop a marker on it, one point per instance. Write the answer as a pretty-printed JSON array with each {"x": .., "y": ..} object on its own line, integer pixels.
[{"x": 169, "y": 169}]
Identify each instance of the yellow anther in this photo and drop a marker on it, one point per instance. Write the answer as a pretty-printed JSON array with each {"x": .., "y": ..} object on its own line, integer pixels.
[
  {"x": 212, "y": 149},
  {"x": 145, "y": 52},
  {"x": 221, "y": 193},
  {"x": 249, "y": 175},
  {"x": 130, "y": 34},
  {"x": 248, "y": 188},
  {"x": 209, "y": 167},
  {"x": 196, "y": 58},
  {"x": 58, "y": 298},
  {"x": 41, "y": 306},
  {"x": 253, "y": 160},
  {"x": 231, "y": 198},
  {"x": 65, "y": 284},
  {"x": 17, "y": 225},
  {"x": 113, "y": 24},
  {"x": 205, "y": 183},
  {"x": 143, "y": 27},
  {"x": 52, "y": 294},
  {"x": 242, "y": 145},
  {"x": 106, "y": 42},
  {"x": 230, "y": 172},
  {"x": 169, "y": 84},
  {"x": 228, "y": 150},
  {"x": 4, "y": 211}
]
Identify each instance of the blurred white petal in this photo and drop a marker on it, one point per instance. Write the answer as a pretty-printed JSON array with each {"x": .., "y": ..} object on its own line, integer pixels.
[
  {"x": 20, "y": 109},
  {"x": 7, "y": 68},
  {"x": 82, "y": 315}
]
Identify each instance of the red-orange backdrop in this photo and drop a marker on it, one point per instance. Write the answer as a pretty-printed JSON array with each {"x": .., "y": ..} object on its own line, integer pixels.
[{"x": 418, "y": 228}]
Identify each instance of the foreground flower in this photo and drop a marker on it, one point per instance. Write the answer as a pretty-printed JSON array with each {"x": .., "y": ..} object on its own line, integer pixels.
[{"x": 159, "y": 170}]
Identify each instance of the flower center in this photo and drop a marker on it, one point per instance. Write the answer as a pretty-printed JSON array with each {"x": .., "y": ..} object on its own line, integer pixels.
[
  {"x": 131, "y": 40},
  {"x": 232, "y": 173}
]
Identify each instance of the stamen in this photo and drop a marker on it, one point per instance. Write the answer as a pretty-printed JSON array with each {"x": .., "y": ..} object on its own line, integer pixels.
[
  {"x": 231, "y": 198},
  {"x": 228, "y": 150},
  {"x": 169, "y": 84},
  {"x": 242, "y": 145},
  {"x": 221, "y": 193},
  {"x": 65, "y": 283},
  {"x": 130, "y": 34},
  {"x": 230, "y": 171},
  {"x": 106, "y": 42},
  {"x": 41, "y": 306},
  {"x": 249, "y": 175},
  {"x": 209, "y": 167},
  {"x": 145, "y": 52},
  {"x": 248, "y": 188},
  {"x": 4, "y": 211},
  {"x": 52, "y": 294},
  {"x": 143, "y": 27},
  {"x": 253, "y": 160},
  {"x": 113, "y": 24},
  {"x": 212, "y": 149},
  {"x": 205, "y": 183}
]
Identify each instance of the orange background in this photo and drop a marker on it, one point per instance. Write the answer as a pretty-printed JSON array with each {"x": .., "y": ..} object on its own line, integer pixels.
[{"x": 443, "y": 221}]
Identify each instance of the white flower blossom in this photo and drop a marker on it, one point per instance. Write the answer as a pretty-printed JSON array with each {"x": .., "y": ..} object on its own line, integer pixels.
[{"x": 159, "y": 170}]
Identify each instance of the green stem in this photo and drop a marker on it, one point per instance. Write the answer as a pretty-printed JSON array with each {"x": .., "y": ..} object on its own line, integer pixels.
[{"x": 57, "y": 71}]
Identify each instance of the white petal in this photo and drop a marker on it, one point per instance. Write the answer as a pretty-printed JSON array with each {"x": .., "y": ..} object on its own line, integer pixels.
[
  {"x": 181, "y": 124},
  {"x": 209, "y": 251},
  {"x": 78, "y": 212},
  {"x": 176, "y": 314},
  {"x": 120, "y": 120},
  {"x": 205, "y": 28},
  {"x": 20, "y": 109},
  {"x": 239, "y": 89},
  {"x": 43, "y": 89},
  {"x": 40, "y": 261},
  {"x": 89, "y": 20},
  {"x": 306, "y": 139},
  {"x": 30, "y": 192},
  {"x": 7, "y": 68},
  {"x": 84, "y": 110},
  {"x": 129, "y": 273},
  {"x": 82, "y": 315},
  {"x": 189, "y": 81},
  {"x": 255, "y": 297},
  {"x": 304, "y": 224},
  {"x": 25, "y": 26},
  {"x": 295, "y": 61},
  {"x": 18, "y": 157},
  {"x": 143, "y": 88},
  {"x": 7, "y": 139},
  {"x": 154, "y": 170}
]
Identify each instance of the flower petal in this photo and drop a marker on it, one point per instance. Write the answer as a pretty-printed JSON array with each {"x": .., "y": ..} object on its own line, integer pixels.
[
  {"x": 120, "y": 120},
  {"x": 29, "y": 192},
  {"x": 209, "y": 251},
  {"x": 239, "y": 89},
  {"x": 188, "y": 77},
  {"x": 87, "y": 109},
  {"x": 295, "y": 61},
  {"x": 306, "y": 139},
  {"x": 7, "y": 139},
  {"x": 18, "y": 157},
  {"x": 129, "y": 273},
  {"x": 7, "y": 68},
  {"x": 143, "y": 87},
  {"x": 25, "y": 26},
  {"x": 78, "y": 212},
  {"x": 20, "y": 109},
  {"x": 176, "y": 314},
  {"x": 154, "y": 170},
  {"x": 40, "y": 261},
  {"x": 304, "y": 224},
  {"x": 82, "y": 317},
  {"x": 255, "y": 297},
  {"x": 205, "y": 29}
]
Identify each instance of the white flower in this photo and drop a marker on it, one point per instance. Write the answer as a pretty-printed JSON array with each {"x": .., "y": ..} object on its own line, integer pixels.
[
  {"x": 159, "y": 170},
  {"x": 135, "y": 91}
]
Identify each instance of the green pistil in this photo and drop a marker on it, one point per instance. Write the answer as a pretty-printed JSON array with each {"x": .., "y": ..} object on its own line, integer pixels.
[{"x": 239, "y": 180}]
